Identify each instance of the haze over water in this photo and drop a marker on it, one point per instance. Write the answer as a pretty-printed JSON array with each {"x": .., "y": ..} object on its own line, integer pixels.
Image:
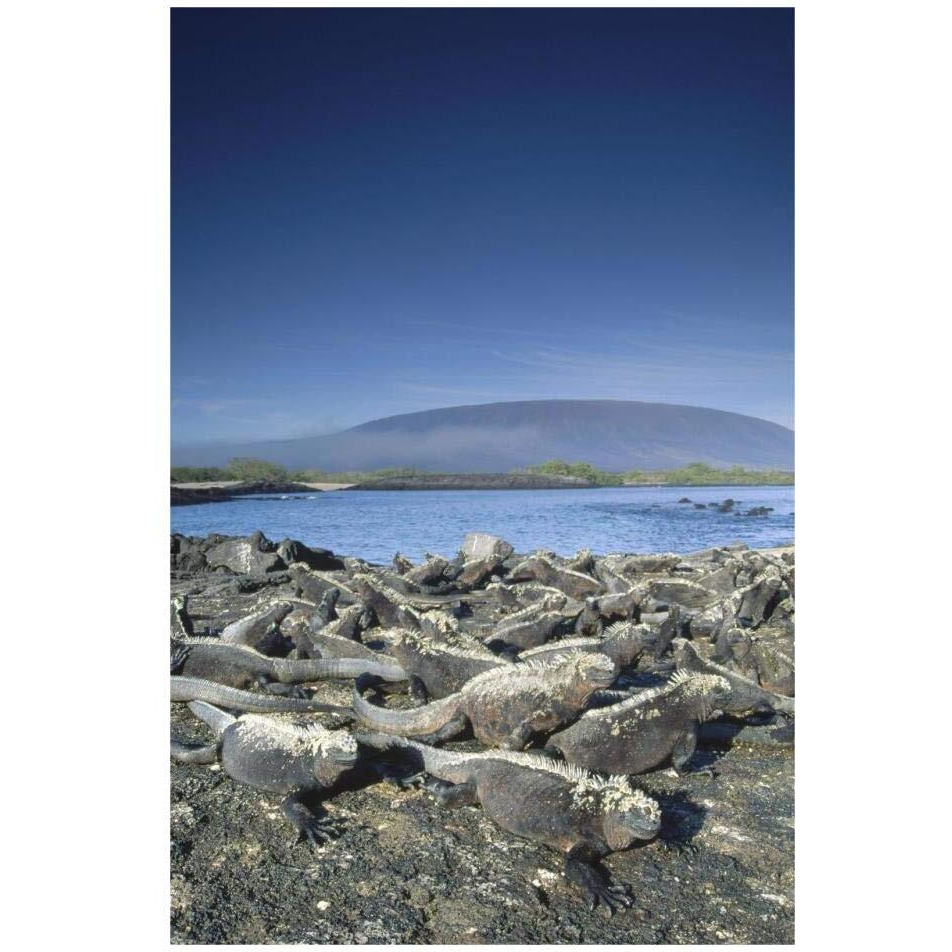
[{"x": 375, "y": 525}]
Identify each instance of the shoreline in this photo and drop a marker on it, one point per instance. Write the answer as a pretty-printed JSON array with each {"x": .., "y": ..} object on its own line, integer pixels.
[{"x": 187, "y": 494}]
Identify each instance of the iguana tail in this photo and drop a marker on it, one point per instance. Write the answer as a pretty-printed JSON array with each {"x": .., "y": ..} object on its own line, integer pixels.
[
  {"x": 203, "y": 753},
  {"x": 197, "y": 689},
  {"x": 297, "y": 672},
  {"x": 193, "y": 753},
  {"x": 433, "y": 760},
  {"x": 415, "y": 721},
  {"x": 215, "y": 718}
]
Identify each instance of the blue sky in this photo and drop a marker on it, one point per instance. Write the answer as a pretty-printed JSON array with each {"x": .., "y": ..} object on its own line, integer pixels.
[{"x": 380, "y": 211}]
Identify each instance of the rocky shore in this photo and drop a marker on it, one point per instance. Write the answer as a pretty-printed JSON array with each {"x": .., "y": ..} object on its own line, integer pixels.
[
  {"x": 407, "y": 869},
  {"x": 192, "y": 494}
]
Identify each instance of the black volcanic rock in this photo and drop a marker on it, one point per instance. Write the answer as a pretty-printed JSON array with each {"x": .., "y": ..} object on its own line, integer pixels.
[{"x": 616, "y": 435}]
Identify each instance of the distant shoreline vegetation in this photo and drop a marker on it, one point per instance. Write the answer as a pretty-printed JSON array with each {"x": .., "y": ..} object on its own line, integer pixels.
[{"x": 694, "y": 474}]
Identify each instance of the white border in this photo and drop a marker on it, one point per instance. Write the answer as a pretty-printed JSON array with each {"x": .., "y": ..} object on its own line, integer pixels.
[{"x": 86, "y": 392}]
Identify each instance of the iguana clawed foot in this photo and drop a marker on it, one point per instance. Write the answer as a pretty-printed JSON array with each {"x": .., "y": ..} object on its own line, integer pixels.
[
  {"x": 613, "y": 896},
  {"x": 178, "y": 657},
  {"x": 318, "y": 830},
  {"x": 413, "y": 782},
  {"x": 599, "y": 887}
]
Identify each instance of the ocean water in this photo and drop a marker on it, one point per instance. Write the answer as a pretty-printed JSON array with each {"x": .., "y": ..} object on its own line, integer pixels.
[{"x": 375, "y": 525}]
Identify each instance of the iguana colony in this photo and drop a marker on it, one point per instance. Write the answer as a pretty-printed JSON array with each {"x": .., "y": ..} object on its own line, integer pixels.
[{"x": 573, "y": 675}]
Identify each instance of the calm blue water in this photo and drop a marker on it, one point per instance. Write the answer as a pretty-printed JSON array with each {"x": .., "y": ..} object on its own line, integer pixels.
[{"x": 375, "y": 525}]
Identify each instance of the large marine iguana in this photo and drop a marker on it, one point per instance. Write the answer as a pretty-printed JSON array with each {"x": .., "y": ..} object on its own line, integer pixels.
[
  {"x": 253, "y": 629},
  {"x": 643, "y": 731},
  {"x": 241, "y": 667},
  {"x": 530, "y": 627},
  {"x": 277, "y": 757},
  {"x": 439, "y": 666},
  {"x": 505, "y": 705},
  {"x": 184, "y": 689},
  {"x": 745, "y": 695},
  {"x": 582, "y": 816},
  {"x": 540, "y": 569},
  {"x": 759, "y": 659},
  {"x": 623, "y": 642}
]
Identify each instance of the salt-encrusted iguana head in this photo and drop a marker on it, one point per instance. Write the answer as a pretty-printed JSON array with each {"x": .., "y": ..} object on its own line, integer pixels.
[
  {"x": 333, "y": 751},
  {"x": 627, "y": 814},
  {"x": 709, "y": 690},
  {"x": 596, "y": 670},
  {"x": 628, "y": 640}
]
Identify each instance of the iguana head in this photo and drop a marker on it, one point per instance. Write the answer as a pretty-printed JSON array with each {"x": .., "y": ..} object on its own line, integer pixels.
[
  {"x": 630, "y": 640},
  {"x": 338, "y": 751},
  {"x": 596, "y": 670},
  {"x": 179, "y": 602},
  {"x": 628, "y": 814},
  {"x": 738, "y": 642},
  {"x": 709, "y": 690}
]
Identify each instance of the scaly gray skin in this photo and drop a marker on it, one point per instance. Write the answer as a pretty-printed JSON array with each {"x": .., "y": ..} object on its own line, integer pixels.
[
  {"x": 251, "y": 629},
  {"x": 276, "y": 757},
  {"x": 439, "y": 665},
  {"x": 430, "y": 572},
  {"x": 326, "y": 611},
  {"x": 758, "y": 599},
  {"x": 643, "y": 731},
  {"x": 184, "y": 689},
  {"x": 312, "y": 585},
  {"x": 241, "y": 667},
  {"x": 528, "y": 628},
  {"x": 668, "y": 631},
  {"x": 589, "y": 623},
  {"x": 181, "y": 621},
  {"x": 746, "y": 695},
  {"x": 623, "y": 642},
  {"x": 505, "y": 706},
  {"x": 386, "y": 600},
  {"x": 539, "y": 568},
  {"x": 332, "y": 646},
  {"x": 350, "y": 622},
  {"x": 535, "y": 797},
  {"x": 758, "y": 659}
]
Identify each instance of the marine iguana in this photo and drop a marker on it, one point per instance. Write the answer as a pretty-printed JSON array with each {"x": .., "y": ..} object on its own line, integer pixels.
[
  {"x": 439, "y": 665},
  {"x": 505, "y": 705},
  {"x": 277, "y": 757},
  {"x": 334, "y": 646},
  {"x": 746, "y": 695},
  {"x": 241, "y": 667},
  {"x": 350, "y": 622},
  {"x": 253, "y": 629},
  {"x": 538, "y": 568},
  {"x": 184, "y": 689},
  {"x": 582, "y": 816},
  {"x": 386, "y": 601},
  {"x": 667, "y": 631},
  {"x": 528, "y": 628},
  {"x": 643, "y": 731},
  {"x": 181, "y": 621},
  {"x": 589, "y": 622},
  {"x": 623, "y": 642},
  {"x": 758, "y": 659}
]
